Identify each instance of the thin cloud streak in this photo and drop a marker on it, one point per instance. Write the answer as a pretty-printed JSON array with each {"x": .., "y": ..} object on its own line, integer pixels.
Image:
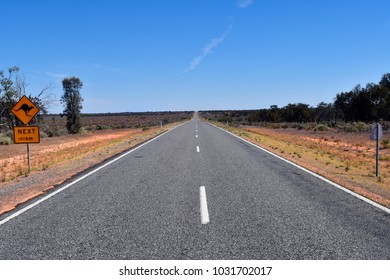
[
  {"x": 56, "y": 75},
  {"x": 208, "y": 49},
  {"x": 245, "y": 3}
]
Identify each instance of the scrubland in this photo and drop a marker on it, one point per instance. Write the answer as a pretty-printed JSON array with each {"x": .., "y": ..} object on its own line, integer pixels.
[{"x": 347, "y": 158}]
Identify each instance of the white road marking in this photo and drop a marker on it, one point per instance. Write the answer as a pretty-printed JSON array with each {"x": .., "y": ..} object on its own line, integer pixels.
[
  {"x": 204, "y": 212},
  {"x": 196, "y": 136},
  {"x": 21, "y": 211},
  {"x": 377, "y": 205},
  {"x": 197, "y": 149}
]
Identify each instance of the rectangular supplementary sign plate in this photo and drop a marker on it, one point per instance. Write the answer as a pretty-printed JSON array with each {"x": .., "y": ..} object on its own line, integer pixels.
[
  {"x": 376, "y": 132},
  {"x": 26, "y": 134}
]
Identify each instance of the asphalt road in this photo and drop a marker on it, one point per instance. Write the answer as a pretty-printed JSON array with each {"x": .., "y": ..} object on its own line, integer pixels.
[{"x": 197, "y": 192}]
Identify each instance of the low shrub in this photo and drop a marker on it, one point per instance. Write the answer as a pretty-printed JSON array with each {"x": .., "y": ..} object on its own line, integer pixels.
[
  {"x": 5, "y": 140},
  {"x": 355, "y": 127},
  {"x": 385, "y": 143},
  {"x": 43, "y": 134},
  {"x": 322, "y": 127},
  {"x": 102, "y": 126},
  {"x": 54, "y": 132},
  {"x": 385, "y": 125}
]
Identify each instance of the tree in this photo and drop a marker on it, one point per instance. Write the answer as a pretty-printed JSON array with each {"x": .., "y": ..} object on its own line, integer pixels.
[
  {"x": 343, "y": 105},
  {"x": 324, "y": 112},
  {"x": 274, "y": 113},
  {"x": 365, "y": 104},
  {"x": 362, "y": 107},
  {"x": 298, "y": 113},
  {"x": 385, "y": 81},
  {"x": 72, "y": 100},
  {"x": 384, "y": 106},
  {"x": 12, "y": 87},
  {"x": 8, "y": 96}
]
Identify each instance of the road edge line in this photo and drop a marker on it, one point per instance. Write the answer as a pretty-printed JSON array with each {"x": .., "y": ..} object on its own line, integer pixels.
[
  {"x": 365, "y": 199},
  {"x": 60, "y": 189}
]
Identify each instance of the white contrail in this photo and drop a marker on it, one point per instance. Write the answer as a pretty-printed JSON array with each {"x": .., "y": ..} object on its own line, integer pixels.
[
  {"x": 207, "y": 50},
  {"x": 245, "y": 3}
]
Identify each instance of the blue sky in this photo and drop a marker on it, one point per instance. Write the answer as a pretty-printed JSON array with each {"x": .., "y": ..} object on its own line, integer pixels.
[{"x": 158, "y": 55}]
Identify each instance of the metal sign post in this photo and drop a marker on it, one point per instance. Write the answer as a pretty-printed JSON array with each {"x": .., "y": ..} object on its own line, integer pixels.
[
  {"x": 28, "y": 157},
  {"x": 25, "y": 110},
  {"x": 377, "y": 151},
  {"x": 376, "y": 134}
]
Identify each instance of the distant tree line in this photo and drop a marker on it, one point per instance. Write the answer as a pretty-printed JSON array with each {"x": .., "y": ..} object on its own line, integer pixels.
[
  {"x": 371, "y": 103},
  {"x": 13, "y": 87},
  {"x": 138, "y": 114},
  {"x": 365, "y": 104}
]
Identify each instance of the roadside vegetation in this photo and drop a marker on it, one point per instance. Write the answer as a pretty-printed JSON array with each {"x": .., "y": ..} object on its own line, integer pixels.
[
  {"x": 71, "y": 99},
  {"x": 12, "y": 87},
  {"x": 356, "y": 108},
  {"x": 331, "y": 139},
  {"x": 54, "y": 125},
  {"x": 343, "y": 157}
]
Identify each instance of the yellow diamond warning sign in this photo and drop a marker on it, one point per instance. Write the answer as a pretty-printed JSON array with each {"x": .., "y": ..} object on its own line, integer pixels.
[
  {"x": 25, "y": 110},
  {"x": 26, "y": 134}
]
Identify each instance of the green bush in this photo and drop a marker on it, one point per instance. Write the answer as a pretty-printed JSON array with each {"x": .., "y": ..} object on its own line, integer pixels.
[
  {"x": 102, "y": 126},
  {"x": 43, "y": 134},
  {"x": 361, "y": 126},
  {"x": 356, "y": 127},
  {"x": 5, "y": 140},
  {"x": 385, "y": 143},
  {"x": 54, "y": 132},
  {"x": 322, "y": 127},
  {"x": 9, "y": 134}
]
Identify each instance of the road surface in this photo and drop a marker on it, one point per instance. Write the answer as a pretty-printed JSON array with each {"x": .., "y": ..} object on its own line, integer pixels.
[{"x": 198, "y": 192}]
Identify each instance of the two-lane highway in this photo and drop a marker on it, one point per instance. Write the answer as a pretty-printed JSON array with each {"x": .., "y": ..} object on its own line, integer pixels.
[{"x": 198, "y": 192}]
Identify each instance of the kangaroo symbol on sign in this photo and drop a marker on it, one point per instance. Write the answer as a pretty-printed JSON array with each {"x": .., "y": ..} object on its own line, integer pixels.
[{"x": 26, "y": 108}]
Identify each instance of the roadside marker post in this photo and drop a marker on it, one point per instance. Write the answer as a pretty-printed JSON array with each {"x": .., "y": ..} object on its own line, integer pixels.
[
  {"x": 376, "y": 134},
  {"x": 25, "y": 110}
]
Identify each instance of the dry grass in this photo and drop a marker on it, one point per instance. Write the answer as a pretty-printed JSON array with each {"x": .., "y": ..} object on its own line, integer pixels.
[{"x": 343, "y": 157}]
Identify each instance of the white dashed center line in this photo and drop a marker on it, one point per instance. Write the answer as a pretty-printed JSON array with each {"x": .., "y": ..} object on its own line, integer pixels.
[
  {"x": 197, "y": 149},
  {"x": 204, "y": 212}
]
